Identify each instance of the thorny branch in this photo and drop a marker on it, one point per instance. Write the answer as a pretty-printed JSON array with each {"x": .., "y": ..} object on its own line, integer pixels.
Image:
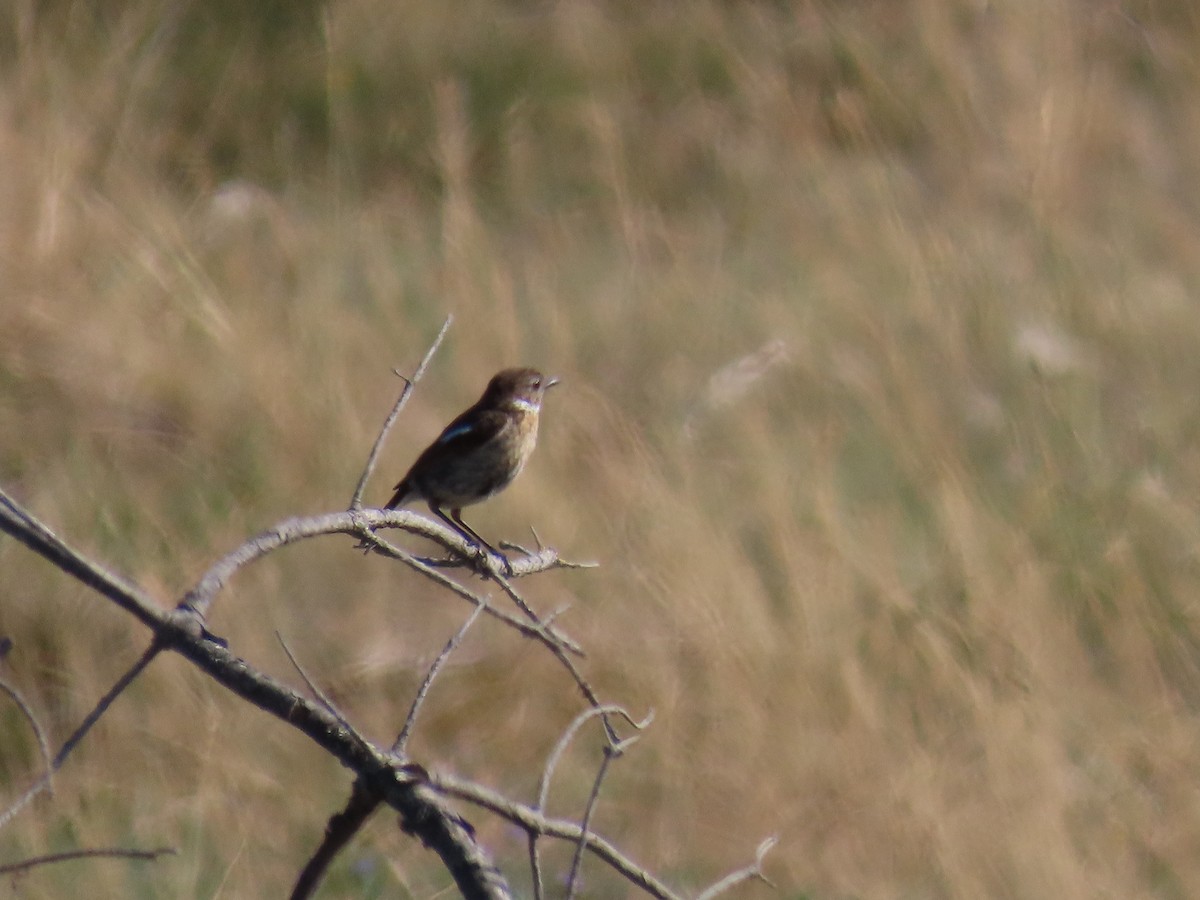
[
  {"x": 381, "y": 777},
  {"x": 421, "y": 810}
]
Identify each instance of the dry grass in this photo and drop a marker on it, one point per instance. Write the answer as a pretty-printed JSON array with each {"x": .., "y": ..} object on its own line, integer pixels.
[{"x": 913, "y": 586}]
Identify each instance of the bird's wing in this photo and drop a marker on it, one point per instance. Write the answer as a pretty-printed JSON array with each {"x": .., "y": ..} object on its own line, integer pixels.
[
  {"x": 464, "y": 435},
  {"x": 471, "y": 430}
]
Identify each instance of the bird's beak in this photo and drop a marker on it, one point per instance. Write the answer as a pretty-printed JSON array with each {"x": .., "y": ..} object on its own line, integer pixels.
[{"x": 551, "y": 383}]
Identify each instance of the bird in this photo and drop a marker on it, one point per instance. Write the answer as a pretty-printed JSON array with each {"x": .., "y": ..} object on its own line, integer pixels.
[{"x": 479, "y": 453}]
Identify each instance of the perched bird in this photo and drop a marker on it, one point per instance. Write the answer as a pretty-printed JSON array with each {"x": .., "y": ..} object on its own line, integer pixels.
[{"x": 480, "y": 452}]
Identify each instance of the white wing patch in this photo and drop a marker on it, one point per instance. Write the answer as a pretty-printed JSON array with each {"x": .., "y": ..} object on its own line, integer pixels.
[{"x": 451, "y": 433}]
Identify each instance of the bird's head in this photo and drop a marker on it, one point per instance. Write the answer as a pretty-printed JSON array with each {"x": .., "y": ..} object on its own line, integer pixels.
[{"x": 522, "y": 388}]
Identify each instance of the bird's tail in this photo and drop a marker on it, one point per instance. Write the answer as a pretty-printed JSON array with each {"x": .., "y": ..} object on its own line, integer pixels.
[{"x": 403, "y": 493}]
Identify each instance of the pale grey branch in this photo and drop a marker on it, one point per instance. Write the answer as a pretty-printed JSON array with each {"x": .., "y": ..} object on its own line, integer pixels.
[
  {"x": 199, "y": 599},
  {"x": 531, "y": 820},
  {"x": 755, "y": 871},
  {"x": 611, "y": 752}
]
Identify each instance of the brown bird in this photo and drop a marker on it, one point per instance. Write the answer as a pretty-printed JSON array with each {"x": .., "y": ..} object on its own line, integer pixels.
[{"x": 479, "y": 453}]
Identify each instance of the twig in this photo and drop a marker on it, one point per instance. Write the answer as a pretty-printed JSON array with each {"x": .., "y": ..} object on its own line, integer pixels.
[
  {"x": 611, "y": 752},
  {"x": 22, "y": 525},
  {"x": 84, "y": 727},
  {"x": 554, "y": 640},
  {"x": 584, "y": 687},
  {"x": 569, "y": 735},
  {"x": 39, "y": 733},
  {"x": 409, "y": 384},
  {"x": 749, "y": 872},
  {"x": 452, "y": 644},
  {"x": 358, "y": 523},
  {"x": 516, "y": 597},
  {"x": 531, "y": 820},
  {"x": 423, "y": 811},
  {"x": 551, "y": 638},
  {"x": 538, "y": 561},
  {"x": 321, "y": 697},
  {"x": 552, "y": 760},
  {"x": 559, "y": 562},
  {"x": 66, "y": 856},
  {"x": 342, "y": 826}
]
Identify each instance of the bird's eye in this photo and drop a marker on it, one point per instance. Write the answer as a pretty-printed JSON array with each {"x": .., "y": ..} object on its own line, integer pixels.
[{"x": 537, "y": 382}]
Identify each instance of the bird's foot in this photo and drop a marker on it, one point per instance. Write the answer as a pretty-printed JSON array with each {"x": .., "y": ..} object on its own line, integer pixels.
[{"x": 489, "y": 561}]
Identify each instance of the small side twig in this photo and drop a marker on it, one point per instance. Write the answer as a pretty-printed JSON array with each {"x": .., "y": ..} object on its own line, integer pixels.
[
  {"x": 422, "y": 691},
  {"x": 363, "y": 802},
  {"x": 568, "y": 735},
  {"x": 754, "y": 871},
  {"x": 85, "y": 726},
  {"x": 552, "y": 761},
  {"x": 401, "y": 401},
  {"x": 611, "y": 752},
  {"x": 340, "y": 829},
  {"x": 516, "y": 598},
  {"x": 38, "y": 731},
  {"x": 534, "y": 821},
  {"x": 322, "y": 698},
  {"x": 25, "y": 865},
  {"x": 553, "y": 639}
]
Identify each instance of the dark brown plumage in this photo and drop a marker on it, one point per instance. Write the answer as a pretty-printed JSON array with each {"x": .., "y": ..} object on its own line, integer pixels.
[{"x": 480, "y": 453}]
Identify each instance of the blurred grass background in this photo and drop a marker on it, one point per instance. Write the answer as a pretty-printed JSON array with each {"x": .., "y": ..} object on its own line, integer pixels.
[{"x": 877, "y": 328}]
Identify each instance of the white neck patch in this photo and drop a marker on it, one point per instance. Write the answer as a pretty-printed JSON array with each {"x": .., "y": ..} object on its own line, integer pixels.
[{"x": 524, "y": 405}]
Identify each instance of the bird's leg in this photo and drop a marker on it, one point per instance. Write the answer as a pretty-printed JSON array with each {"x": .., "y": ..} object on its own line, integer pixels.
[
  {"x": 455, "y": 521},
  {"x": 456, "y": 515}
]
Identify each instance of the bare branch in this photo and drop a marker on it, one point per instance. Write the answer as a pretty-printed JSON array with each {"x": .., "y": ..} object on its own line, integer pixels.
[
  {"x": 535, "y": 864},
  {"x": 569, "y": 735},
  {"x": 533, "y": 561},
  {"x": 452, "y": 644},
  {"x": 320, "y": 695},
  {"x": 611, "y": 752},
  {"x": 357, "y": 523},
  {"x": 422, "y": 811},
  {"x": 551, "y": 638},
  {"x": 103, "y": 852},
  {"x": 516, "y": 597},
  {"x": 559, "y": 562},
  {"x": 39, "y": 733},
  {"x": 342, "y": 827},
  {"x": 84, "y": 727},
  {"x": 339, "y": 831},
  {"x": 409, "y": 384},
  {"x": 533, "y": 821},
  {"x": 733, "y": 879},
  {"x": 21, "y": 524},
  {"x": 382, "y": 777}
]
